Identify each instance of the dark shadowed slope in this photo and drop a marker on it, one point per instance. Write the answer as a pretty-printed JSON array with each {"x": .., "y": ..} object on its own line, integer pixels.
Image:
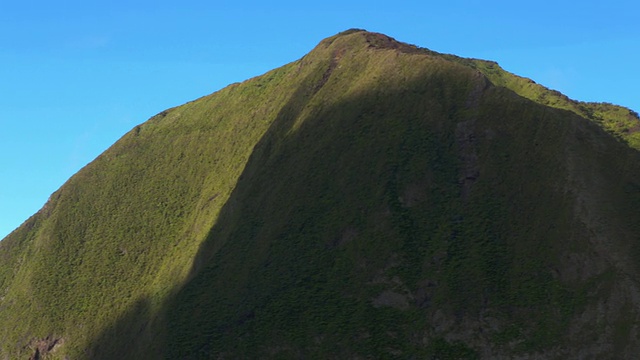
[{"x": 370, "y": 200}]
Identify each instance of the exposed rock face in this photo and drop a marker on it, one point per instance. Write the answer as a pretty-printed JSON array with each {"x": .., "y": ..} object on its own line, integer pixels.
[{"x": 43, "y": 347}]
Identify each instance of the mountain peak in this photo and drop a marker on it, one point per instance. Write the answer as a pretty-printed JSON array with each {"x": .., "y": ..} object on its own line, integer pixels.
[
  {"x": 351, "y": 31},
  {"x": 373, "y": 199},
  {"x": 372, "y": 40}
]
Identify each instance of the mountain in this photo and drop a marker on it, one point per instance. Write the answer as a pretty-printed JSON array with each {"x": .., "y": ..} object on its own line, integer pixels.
[{"x": 373, "y": 199}]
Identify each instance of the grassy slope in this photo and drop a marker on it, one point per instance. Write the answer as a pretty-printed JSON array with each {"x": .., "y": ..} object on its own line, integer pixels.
[
  {"x": 128, "y": 225},
  {"x": 371, "y": 198},
  {"x": 617, "y": 120},
  {"x": 407, "y": 215}
]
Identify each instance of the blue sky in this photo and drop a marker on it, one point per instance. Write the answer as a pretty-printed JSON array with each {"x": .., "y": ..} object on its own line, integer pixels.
[{"x": 76, "y": 75}]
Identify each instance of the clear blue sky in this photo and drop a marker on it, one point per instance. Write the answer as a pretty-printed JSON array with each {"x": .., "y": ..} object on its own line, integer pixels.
[{"x": 76, "y": 75}]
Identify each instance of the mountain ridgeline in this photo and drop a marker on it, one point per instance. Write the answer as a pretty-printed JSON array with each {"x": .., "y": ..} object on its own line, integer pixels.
[{"x": 370, "y": 200}]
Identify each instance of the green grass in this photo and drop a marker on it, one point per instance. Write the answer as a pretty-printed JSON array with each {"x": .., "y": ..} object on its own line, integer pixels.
[
  {"x": 621, "y": 122},
  {"x": 371, "y": 199}
]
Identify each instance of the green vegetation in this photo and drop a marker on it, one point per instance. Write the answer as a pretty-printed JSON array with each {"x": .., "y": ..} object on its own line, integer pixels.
[
  {"x": 371, "y": 199},
  {"x": 619, "y": 121}
]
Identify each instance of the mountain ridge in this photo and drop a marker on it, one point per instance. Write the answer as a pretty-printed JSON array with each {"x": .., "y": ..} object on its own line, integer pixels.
[{"x": 325, "y": 158}]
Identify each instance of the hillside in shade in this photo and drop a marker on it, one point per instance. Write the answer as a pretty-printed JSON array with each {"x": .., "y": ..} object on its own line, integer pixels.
[{"x": 373, "y": 199}]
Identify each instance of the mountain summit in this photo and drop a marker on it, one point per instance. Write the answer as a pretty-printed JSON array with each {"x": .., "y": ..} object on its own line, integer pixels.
[{"x": 371, "y": 200}]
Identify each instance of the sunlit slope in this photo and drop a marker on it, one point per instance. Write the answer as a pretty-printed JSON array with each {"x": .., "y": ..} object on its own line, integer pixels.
[
  {"x": 129, "y": 224},
  {"x": 371, "y": 199}
]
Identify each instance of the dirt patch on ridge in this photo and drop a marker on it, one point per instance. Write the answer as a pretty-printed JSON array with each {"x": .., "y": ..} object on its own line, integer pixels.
[{"x": 381, "y": 41}]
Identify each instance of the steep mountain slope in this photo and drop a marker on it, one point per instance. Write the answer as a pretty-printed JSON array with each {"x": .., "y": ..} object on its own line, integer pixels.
[{"x": 371, "y": 199}]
